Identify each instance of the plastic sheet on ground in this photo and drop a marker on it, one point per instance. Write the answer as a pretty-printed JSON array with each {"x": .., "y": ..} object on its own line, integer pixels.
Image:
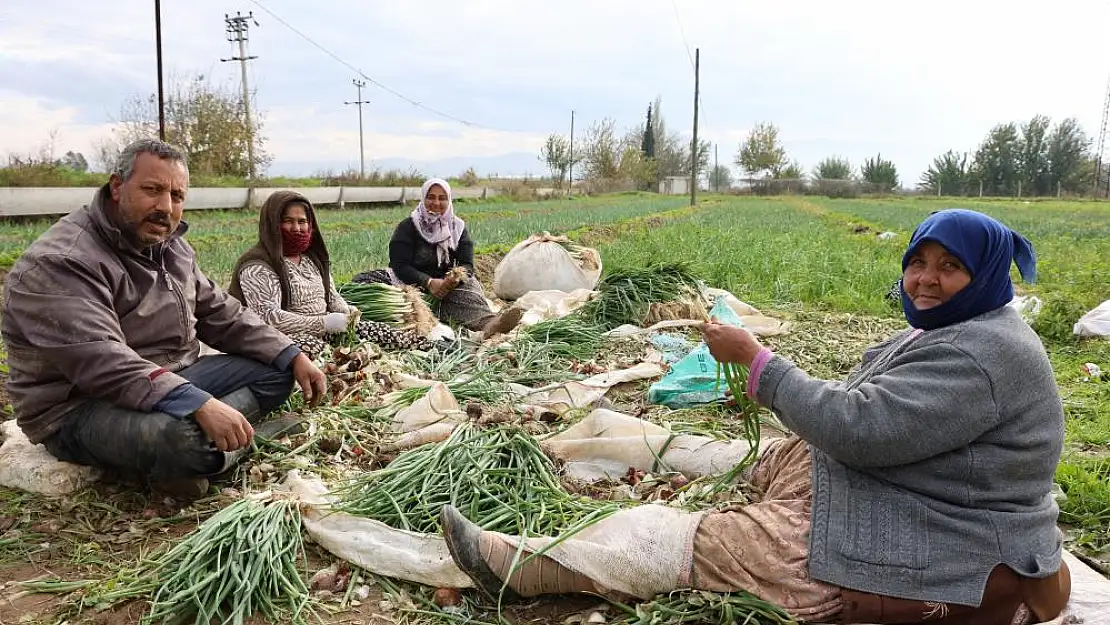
[
  {"x": 436, "y": 406},
  {"x": 550, "y": 304},
  {"x": 1094, "y": 323},
  {"x": 29, "y": 467},
  {"x": 693, "y": 380},
  {"x": 564, "y": 396},
  {"x": 373, "y": 545},
  {"x": 1090, "y": 596},
  {"x": 756, "y": 322},
  {"x": 605, "y": 444},
  {"x": 433, "y": 417},
  {"x": 1028, "y": 306}
]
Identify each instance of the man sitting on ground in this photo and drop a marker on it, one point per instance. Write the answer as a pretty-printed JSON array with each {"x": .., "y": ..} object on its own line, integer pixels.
[{"x": 103, "y": 317}]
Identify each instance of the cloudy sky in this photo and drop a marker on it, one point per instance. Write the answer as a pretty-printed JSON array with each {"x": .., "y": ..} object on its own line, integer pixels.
[{"x": 909, "y": 79}]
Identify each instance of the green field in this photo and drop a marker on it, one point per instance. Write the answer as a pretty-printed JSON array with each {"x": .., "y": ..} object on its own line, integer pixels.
[{"x": 817, "y": 262}]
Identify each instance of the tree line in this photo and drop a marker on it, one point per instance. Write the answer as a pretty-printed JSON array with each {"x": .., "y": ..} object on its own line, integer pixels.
[
  {"x": 1035, "y": 158},
  {"x": 610, "y": 159}
]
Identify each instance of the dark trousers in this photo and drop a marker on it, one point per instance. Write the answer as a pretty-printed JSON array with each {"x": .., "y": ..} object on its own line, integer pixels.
[{"x": 158, "y": 446}]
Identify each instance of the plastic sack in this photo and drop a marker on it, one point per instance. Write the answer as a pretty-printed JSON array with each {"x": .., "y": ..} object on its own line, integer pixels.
[
  {"x": 693, "y": 379},
  {"x": 1027, "y": 306},
  {"x": 29, "y": 467},
  {"x": 1096, "y": 322},
  {"x": 542, "y": 263}
]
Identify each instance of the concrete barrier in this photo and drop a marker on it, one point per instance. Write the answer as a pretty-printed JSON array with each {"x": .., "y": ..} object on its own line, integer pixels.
[{"x": 31, "y": 201}]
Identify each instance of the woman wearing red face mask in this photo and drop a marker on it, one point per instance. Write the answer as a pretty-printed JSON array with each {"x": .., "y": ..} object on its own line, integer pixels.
[{"x": 286, "y": 277}]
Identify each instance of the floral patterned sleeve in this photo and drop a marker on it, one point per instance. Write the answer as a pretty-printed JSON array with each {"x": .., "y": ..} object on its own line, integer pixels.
[{"x": 262, "y": 292}]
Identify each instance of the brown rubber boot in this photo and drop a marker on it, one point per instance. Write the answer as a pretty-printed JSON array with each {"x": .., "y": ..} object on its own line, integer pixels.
[
  {"x": 503, "y": 323},
  {"x": 487, "y": 558}
]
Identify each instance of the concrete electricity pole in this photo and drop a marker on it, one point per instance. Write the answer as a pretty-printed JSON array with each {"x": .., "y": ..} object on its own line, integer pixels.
[
  {"x": 694, "y": 144},
  {"x": 158, "y": 57},
  {"x": 570, "y": 181},
  {"x": 359, "y": 84},
  {"x": 237, "y": 33}
]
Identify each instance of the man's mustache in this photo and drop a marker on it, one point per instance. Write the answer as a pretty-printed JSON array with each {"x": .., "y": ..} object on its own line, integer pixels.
[{"x": 160, "y": 219}]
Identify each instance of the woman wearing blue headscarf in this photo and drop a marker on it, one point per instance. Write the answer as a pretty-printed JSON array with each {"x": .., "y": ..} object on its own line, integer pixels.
[{"x": 919, "y": 489}]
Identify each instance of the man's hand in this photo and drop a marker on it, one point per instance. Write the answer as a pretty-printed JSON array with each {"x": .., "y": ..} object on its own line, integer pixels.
[
  {"x": 311, "y": 380},
  {"x": 224, "y": 425},
  {"x": 439, "y": 287},
  {"x": 730, "y": 344}
]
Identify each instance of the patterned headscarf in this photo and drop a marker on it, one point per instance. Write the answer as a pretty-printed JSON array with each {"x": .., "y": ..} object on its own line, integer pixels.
[{"x": 443, "y": 230}]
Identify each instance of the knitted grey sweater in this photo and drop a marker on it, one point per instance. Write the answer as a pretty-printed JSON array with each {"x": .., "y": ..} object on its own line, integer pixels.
[{"x": 933, "y": 462}]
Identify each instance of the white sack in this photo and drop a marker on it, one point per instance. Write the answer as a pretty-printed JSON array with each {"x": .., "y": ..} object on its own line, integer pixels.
[
  {"x": 541, "y": 263},
  {"x": 605, "y": 444},
  {"x": 1096, "y": 322}
]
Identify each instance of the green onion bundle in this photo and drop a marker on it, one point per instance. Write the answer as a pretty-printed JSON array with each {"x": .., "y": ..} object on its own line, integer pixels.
[
  {"x": 706, "y": 607},
  {"x": 240, "y": 560},
  {"x": 498, "y": 477},
  {"x": 626, "y": 296},
  {"x": 243, "y": 557},
  {"x": 568, "y": 337},
  {"x": 378, "y": 302}
]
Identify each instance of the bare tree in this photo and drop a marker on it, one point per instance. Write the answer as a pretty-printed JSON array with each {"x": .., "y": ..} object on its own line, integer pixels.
[{"x": 207, "y": 121}]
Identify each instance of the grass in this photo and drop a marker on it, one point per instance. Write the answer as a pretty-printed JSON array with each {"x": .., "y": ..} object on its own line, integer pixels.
[{"x": 817, "y": 262}]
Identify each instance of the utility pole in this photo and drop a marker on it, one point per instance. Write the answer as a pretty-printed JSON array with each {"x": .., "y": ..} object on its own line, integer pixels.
[
  {"x": 158, "y": 56},
  {"x": 716, "y": 172},
  {"x": 570, "y": 180},
  {"x": 694, "y": 145},
  {"x": 359, "y": 84},
  {"x": 237, "y": 33}
]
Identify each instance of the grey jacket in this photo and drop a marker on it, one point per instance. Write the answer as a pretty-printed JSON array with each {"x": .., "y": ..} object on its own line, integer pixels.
[
  {"x": 86, "y": 316},
  {"x": 933, "y": 463}
]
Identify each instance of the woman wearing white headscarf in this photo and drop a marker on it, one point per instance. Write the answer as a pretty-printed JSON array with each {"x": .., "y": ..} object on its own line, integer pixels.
[{"x": 425, "y": 247}]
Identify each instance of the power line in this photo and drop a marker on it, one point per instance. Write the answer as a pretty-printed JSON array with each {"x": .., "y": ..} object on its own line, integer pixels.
[
  {"x": 377, "y": 84},
  {"x": 682, "y": 31},
  {"x": 694, "y": 65}
]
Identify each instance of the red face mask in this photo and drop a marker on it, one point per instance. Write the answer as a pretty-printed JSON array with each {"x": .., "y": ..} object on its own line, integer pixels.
[{"x": 295, "y": 243}]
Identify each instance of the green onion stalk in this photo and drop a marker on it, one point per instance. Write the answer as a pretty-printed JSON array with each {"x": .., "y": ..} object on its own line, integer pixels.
[
  {"x": 567, "y": 337},
  {"x": 239, "y": 561},
  {"x": 626, "y": 296},
  {"x": 497, "y": 476},
  {"x": 735, "y": 376},
  {"x": 705, "y": 607},
  {"x": 384, "y": 303}
]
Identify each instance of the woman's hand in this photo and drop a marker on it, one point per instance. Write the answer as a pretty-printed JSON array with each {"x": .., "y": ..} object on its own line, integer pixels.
[
  {"x": 730, "y": 344},
  {"x": 439, "y": 287},
  {"x": 335, "y": 323}
]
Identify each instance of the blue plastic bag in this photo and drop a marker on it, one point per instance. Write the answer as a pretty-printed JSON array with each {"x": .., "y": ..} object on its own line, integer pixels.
[{"x": 693, "y": 379}]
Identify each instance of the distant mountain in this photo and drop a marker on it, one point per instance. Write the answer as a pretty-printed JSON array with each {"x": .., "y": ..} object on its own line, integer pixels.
[{"x": 509, "y": 165}]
